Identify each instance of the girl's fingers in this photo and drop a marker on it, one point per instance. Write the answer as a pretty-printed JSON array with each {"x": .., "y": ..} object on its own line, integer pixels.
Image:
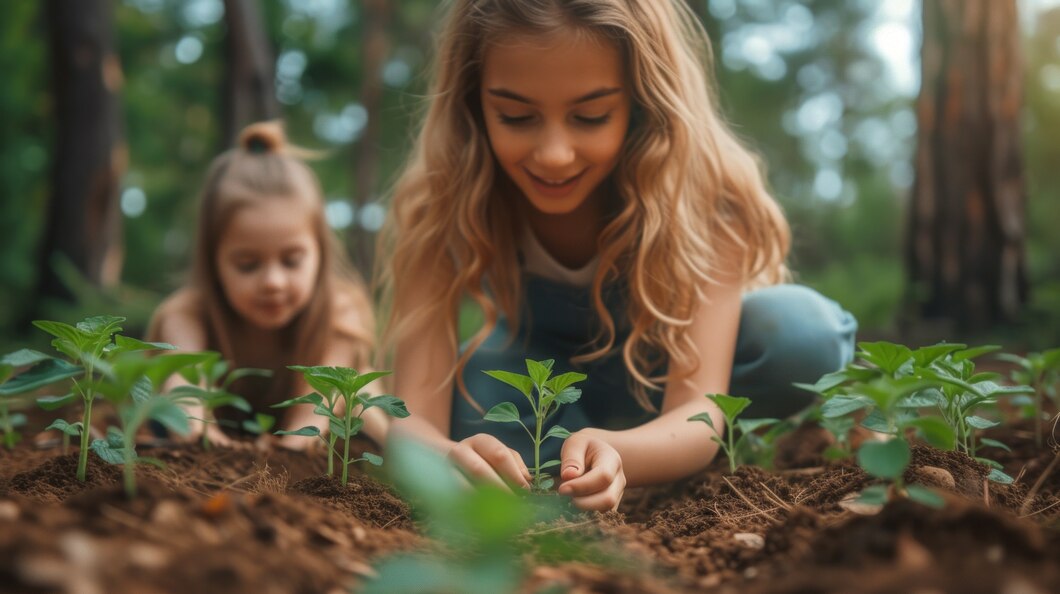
[
  {"x": 524, "y": 471},
  {"x": 475, "y": 467},
  {"x": 510, "y": 468},
  {"x": 573, "y": 455},
  {"x": 603, "y": 501}
]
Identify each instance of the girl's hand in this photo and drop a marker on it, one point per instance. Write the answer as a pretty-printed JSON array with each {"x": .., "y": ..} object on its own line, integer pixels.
[
  {"x": 484, "y": 458},
  {"x": 297, "y": 443},
  {"x": 591, "y": 473}
]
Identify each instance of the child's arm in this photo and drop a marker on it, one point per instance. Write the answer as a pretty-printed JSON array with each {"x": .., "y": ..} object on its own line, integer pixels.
[
  {"x": 422, "y": 363},
  {"x": 669, "y": 447}
]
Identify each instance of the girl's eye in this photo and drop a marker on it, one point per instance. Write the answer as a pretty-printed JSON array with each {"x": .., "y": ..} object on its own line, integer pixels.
[
  {"x": 515, "y": 120},
  {"x": 246, "y": 267},
  {"x": 597, "y": 121},
  {"x": 292, "y": 262}
]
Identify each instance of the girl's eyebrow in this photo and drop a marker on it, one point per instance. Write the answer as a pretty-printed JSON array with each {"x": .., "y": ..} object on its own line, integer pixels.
[{"x": 506, "y": 94}]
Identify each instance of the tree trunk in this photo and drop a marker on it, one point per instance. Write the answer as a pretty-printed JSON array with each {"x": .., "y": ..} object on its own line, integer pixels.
[
  {"x": 375, "y": 45},
  {"x": 83, "y": 222},
  {"x": 965, "y": 245},
  {"x": 250, "y": 91}
]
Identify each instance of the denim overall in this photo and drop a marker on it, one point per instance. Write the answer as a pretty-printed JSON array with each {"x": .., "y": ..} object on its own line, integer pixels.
[{"x": 788, "y": 333}]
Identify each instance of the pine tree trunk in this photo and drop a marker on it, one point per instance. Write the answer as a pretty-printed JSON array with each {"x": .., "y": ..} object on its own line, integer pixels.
[
  {"x": 375, "y": 44},
  {"x": 83, "y": 222},
  {"x": 965, "y": 245},
  {"x": 250, "y": 87}
]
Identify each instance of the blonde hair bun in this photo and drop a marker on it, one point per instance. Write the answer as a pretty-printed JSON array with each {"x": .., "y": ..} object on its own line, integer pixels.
[{"x": 263, "y": 138}]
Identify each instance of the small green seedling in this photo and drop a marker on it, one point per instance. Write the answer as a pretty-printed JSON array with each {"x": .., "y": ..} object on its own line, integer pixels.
[
  {"x": 1040, "y": 371},
  {"x": 731, "y": 407},
  {"x": 339, "y": 388},
  {"x": 210, "y": 380},
  {"x": 131, "y": 381},
  {"x": 43, "y": 371},
  {"x": 91, "y": 343},
  {"x": 545, "y": 395}
]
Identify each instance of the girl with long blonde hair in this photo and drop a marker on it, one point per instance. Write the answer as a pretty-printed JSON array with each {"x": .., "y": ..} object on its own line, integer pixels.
[
  {"x": 574, "y": 180},
  {"x": 270, "y": 285}
]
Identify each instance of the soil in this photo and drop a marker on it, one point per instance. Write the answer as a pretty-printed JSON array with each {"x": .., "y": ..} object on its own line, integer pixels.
[{"x": 247, "y": 521}]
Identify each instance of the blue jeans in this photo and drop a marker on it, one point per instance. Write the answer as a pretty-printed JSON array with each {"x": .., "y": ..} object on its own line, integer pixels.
[{"x": 788, "y": 334}]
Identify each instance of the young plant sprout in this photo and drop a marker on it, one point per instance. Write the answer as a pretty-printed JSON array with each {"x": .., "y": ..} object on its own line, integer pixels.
[
  {"x": 339, "y": 389},
  {"x": 545, "y": 395},
  {"x": 130, "y": 381},
  {"x": 90, "y": 344},
  {"x": 210, "y": 380},
  {"x": 1040, "y": 371},
  {"x": 731, "y": 407},
  {"x": 45, "y": 370}
]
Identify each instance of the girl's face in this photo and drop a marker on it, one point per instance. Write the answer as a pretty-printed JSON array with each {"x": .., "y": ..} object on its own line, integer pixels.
[
  {"x": 268, "y": 261},
  {"x": 556, "y": 109}
]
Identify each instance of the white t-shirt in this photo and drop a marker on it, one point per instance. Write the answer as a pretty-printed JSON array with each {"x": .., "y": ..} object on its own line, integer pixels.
[{"x": 539, "y": 262}]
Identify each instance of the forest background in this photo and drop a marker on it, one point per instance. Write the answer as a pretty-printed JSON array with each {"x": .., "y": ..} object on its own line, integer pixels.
[{"x": 825, "y": 90}]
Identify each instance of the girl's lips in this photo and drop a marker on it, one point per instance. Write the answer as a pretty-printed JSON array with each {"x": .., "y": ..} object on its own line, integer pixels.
[{"x": 555, "y": 190}]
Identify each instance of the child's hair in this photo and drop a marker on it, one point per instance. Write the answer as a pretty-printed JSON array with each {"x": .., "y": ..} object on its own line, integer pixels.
[
  {"x": 263, "y": 166},
  {"x": 688, "y": 192}
]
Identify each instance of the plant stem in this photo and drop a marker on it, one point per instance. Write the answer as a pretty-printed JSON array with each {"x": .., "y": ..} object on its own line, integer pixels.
[
  {"x": 331, "y": 454},
  {"x": 82, "y": 460},
  {"x": 9, "y": 430},
  {"x": 346, "y": 456},
  {"x": 1038, "y": 414},
  {"x": 537, "y": 450},
  {"x": 129, "y": 467},
  {"x": 732, "y": 446}
]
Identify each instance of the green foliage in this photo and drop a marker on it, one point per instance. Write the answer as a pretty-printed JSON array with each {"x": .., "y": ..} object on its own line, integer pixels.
[
  {"x": 1040, "y": 371},
  {"x": 43, "y": 370},
  {"x": 731, "y": 407},
  {"x": 545, "y": 395},
  {"x": 895, "y": 388},
  {"x": 209, "y": 381},
  {"x": 486, "y": 532},
  {"x": 340, "y": 388}
]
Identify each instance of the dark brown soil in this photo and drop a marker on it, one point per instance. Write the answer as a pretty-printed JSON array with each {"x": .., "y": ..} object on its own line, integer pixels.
[{"x": 238, "y": 521}]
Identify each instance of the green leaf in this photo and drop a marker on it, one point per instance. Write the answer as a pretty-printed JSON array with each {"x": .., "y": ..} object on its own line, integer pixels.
[
  {"x": 17, "y": 419},
  {"x": 925, "y": 496},
  {"x": 994, "y": 444},
  {"x": 839, "y": 406},
  {"x": 338, "y": 427},
  {"x": 924, "y": 356},
  {"x": 557, "y": 431},
  {"x": 261, "y": 423},
  {"x": 538, "y": 372},
  {"x": 125, "y": 344},
  {"x": 924, "y": 399},
  {"x": 364, "y": 379},
  {"x": 730, "y": 406},
  {"x": 1000, "y": 477},
  {"x": 972, "y": 353},
  {"x": 504, "y": 412},
  {"x": 142, "y": 390},
  {"x": 106, "y": 451},
  {"x": 894, "y": 359},
  {"x": 313, "y": 398},
  {"x": 878, "y": 422},
  {"x": 71, "y": 429},
  {"x": 238, "y": 374},
  {"x": 751, "y": 425},
  {"x": 564, "y": 380},
  {"x": 101, "y": 325},
  {"x": 24, "y": 357},
  {"x": 874, "y": 495},
  {"x": 569, "y": 395},
  {"x": 169, "y": 414},
  {"x": 391, "y": 405},
  {"x": 989, "y": 463},
  {"x": 373, "y": 459},
  {"x": 56, "y": 402},
  {"x": 886, "y": 459},
  {"x": 548, "y": 464},
  {"x": 980, "y": 423},
  {"x": 150, "y": 460},
  {"x": 40, "y": 375},
  {"x": 705, "y": 417},
  {"x": 935, "y": 431},
  {"x": 520, "y": 382},
  {"x": 835, "y": 379},
  {"x": 308, "y": 431}
]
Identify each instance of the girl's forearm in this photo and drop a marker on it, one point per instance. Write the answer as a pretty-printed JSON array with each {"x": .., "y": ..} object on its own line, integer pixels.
[
  {"x": 667, "y": 448},
  {"x": 421, "y": 430}
]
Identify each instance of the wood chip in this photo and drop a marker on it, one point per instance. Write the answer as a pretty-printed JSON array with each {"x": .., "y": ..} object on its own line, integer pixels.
[{"x": 851, "y": 504}]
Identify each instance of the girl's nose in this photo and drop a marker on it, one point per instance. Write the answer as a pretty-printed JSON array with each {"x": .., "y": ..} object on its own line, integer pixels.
[
  {"x": 555, "y": 149},
  {"x": 274, "y": 277}
]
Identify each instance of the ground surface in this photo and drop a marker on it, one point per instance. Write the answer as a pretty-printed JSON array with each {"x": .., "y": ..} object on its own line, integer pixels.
[{"x": 253, "y": 522}]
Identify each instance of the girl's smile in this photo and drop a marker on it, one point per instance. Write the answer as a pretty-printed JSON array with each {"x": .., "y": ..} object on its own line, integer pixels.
[{"x": 558, "y": 188}]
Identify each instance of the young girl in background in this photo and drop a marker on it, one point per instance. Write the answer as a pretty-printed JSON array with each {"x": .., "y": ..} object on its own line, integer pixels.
[
  {"x": 270, "y": 285},
  {"x": 574, "y": 179}
]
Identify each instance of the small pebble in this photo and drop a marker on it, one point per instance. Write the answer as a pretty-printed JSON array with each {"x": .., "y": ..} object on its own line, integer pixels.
[
  {"x": 750, "y": 540},
  {"x": 9, "y": 511}
]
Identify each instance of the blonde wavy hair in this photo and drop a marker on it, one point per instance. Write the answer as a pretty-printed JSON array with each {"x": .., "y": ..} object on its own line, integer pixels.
[{"x": 689, "y": 193}]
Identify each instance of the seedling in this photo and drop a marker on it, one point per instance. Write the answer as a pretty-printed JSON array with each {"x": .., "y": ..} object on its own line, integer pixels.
[
  {"x": 92, "y": 342},
  {"x": 339, "y": 388},
  {"x": 210, "y": 380},
  {"x": 545, "y": 395},
  {"x": 45, "y": 370},
  {"x": 131, "y": 381},
  {"x": 945, "y": 378},
  {"x": 731, "y": 407},
  {"x": 1040, "y": 371}
]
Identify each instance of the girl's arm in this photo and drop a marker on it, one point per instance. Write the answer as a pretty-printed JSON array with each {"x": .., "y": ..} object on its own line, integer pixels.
[
  {"x": 668, "y": 447},
  {"x": 422, "y": 365}
]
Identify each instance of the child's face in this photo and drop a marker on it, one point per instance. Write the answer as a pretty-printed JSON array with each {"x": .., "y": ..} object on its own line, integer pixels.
[
  {"x": 268, "y": 261},
  {"x": 556, "y": 111}
]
